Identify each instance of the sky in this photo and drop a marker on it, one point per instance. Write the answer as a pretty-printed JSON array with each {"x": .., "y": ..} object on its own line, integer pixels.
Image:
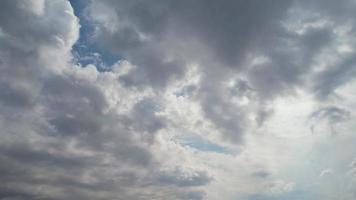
[{"x": 177, "y": 100}]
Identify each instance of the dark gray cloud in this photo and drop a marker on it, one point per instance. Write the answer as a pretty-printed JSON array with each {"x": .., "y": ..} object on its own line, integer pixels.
[
  {"x": 330, "y": 79},
  {"x": 148, "y": 33},
  {"x": 265, "y": 42}
]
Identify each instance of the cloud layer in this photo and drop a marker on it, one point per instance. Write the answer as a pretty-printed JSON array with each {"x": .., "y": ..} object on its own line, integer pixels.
[{"x": 249, "y": 100}]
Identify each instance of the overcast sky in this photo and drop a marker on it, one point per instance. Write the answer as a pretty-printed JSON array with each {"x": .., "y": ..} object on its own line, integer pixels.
[{"x": 177, "y": 100}]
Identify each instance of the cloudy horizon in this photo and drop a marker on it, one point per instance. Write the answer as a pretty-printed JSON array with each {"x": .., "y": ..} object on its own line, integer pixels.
[{"x": 177, "y": 100}]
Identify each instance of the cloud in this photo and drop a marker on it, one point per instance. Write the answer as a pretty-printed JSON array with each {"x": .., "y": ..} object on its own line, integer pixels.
[
  {"x": 204, "y": 99},
  {"x": 332, "y": 115},
  {"x": 261, "y": 41},
  {"x": 326, "y": 173},
  {"x": 280, "y": 187},
  {"x": 62, "y": 137}
]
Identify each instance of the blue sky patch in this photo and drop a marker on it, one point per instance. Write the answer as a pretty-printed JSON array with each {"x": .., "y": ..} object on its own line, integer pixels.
[
  {"x": 85, "y": 50},
  {"x": 198, "y": 143}
]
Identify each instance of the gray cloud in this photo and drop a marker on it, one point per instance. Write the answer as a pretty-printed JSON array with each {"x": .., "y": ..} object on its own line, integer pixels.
[
  {"x": 182, "y": 179},
  {"x": 333, "y": 115},
  {"x": 337, "y": 75},
  {"x": 60, "y": 138},
  {"x": 71, "y": 132},
  {"x": 225, "y": 38}
]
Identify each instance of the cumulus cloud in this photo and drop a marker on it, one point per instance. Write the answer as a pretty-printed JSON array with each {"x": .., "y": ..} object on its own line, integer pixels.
[
  {"x": 62, "y": 135},
  {"x": 246, "y": 78},
  {"x": 263, "y": 42}
]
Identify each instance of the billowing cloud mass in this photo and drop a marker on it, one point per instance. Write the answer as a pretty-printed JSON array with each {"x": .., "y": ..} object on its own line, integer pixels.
[{"x": 181, "y": 100}]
